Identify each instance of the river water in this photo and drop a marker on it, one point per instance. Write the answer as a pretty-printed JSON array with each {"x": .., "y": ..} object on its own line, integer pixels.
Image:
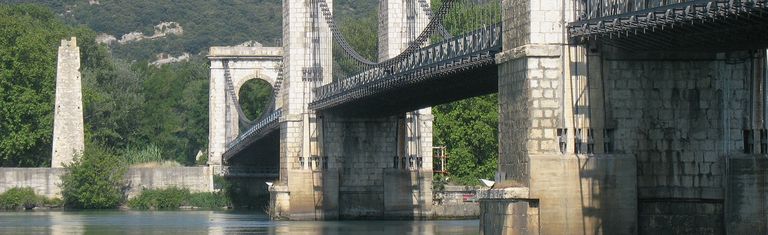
[{"x": 209, "y": 222}]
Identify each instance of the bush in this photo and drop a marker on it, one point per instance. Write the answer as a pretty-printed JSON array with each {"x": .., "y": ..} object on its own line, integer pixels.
[
  {"x": 210, "y": 200},
  {"x": 169, "y": 198},
  {"x": 94, "y": 180},
  {"x": 174, "y": 197},
  {"x": 20, "y": 198},
  {"x": 151, "y": 153}
]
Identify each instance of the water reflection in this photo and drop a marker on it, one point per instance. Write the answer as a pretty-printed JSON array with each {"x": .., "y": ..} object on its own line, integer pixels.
[
  {"x": 61, "y": 223},
  {"x": 209, "y": 222}
]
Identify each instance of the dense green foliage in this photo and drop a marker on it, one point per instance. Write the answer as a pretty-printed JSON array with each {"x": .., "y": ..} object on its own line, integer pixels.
[
  {"x": 151, "y": 153},
  {"x": 29, "y": 38},
  {"x": 94, "y": 180},
  {"x": 135, "y": 107},
  {"x": 128, "y": 107},
  {"x": 173, "y": 198},
  {"x": 138, "y": 109},
  {"x": 362, "y": 35},
  {"x": 254, "y": 95},
  {"x": 469, "y": 130},
  {"x": 23, "y": 198}
]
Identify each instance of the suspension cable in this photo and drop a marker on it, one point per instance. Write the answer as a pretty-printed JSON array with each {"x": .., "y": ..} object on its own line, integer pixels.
[
  {"x": 412, "y": 47},
  {"x": 428, "y": 11},
  {"x": 231, "y": 92}
]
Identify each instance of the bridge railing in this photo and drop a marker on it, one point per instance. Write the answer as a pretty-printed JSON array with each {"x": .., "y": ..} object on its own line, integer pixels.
[
  {"x": 621, "y": 18},
  {"x": 271, "y": 118},
  {"x": 593, "y": 10},
  {"x": 460, "y": 46}
]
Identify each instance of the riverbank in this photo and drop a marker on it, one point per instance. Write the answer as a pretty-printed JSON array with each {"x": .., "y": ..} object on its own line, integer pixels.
[{"x": 46, "y": 181}]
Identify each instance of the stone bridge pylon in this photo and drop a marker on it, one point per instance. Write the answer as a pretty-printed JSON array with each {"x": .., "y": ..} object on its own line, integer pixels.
[
  {"x": 241, "y": 64},
  {"x": 376, "y": 166}
]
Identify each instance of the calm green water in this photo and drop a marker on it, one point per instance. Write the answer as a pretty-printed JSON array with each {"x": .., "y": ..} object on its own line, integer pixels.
[{"x": 209, "y": 222}]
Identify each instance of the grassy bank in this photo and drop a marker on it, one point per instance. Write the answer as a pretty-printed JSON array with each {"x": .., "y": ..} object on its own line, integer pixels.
[
  {"x": 25, "y": 198},
  {"x": 174, "y": 198}
]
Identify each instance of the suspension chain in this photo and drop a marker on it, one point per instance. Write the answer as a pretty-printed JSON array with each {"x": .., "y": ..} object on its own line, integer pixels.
[
  {"x": 434, "y": 22},
  {"x": 340, "y": 38},
  {"x": 275, "y": 93},
  {"x": 231, "y": 92},
  {"x": 428, "y": 11}
]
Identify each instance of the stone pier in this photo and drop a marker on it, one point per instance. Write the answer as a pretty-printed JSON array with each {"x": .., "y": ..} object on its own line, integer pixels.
[
  {"x": 68, "y": 129},
  {"x": 339, "y": 166},
  {"x": 597, "y": 140}
]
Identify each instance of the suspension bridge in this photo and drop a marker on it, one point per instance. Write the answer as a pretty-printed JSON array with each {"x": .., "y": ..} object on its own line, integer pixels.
[{"x": 615, "y": 116}]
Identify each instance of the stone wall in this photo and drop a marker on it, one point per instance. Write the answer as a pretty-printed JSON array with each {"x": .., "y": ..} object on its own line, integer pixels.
[
  {"x": 683, "y": 115},
  {"x": 45, "y": 181},
  {"x": 196, "y": 179},
  {"x": 370, "y": 184},
  {"x": 456, "y": 202},
  {"x": 680, "y": 116},
  {"x": 746, "y": 205},
  {"x": 590, "y": 193}
]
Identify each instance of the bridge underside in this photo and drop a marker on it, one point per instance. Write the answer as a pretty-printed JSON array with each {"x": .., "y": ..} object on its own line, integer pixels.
[
  {"x": 262, "y": 152},
  {"x": 689, "y": 26},
  {"x": 403, "y": 94}
]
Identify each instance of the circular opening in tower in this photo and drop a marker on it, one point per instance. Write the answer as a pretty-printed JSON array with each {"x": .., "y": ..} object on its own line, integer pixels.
[{"x": 255, "y": 97}]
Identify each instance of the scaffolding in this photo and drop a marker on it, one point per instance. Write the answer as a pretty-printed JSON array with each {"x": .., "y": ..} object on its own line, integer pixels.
[{"x": 440, "y": 159}]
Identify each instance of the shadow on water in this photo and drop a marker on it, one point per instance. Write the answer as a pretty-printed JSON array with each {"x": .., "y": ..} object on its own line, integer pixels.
[{"x": 208, "y": 222}]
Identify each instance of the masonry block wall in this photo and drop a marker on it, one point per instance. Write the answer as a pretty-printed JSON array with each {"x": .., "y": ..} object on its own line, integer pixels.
[
  {"x": 47, "y": 181},
  {"x": 373, "y": 181},
  {"x": 68, "y": 129},
  {"x": 746, "y": 205},
  {"x": 568, "y": 189},
  {"x": 689, "y": 118}
]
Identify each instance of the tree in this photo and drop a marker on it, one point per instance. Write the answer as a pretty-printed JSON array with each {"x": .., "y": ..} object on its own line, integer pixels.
[
  {"x": 29, "y": 38},
  {"x": 94, "y": 180},
  {"x": 176, "y": 109},
  {"x": 469, "y": 130}
]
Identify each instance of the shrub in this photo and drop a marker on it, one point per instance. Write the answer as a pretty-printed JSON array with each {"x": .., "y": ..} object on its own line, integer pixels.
[
  {"x": 210, "y": 200},
  {"x": 150, "y": 153},
  {"x": 20, "y": 198},
  {"x": 174, "y": 197},
  {"x": 94, "y": 180},
  {"x": 169, "y": 198}
]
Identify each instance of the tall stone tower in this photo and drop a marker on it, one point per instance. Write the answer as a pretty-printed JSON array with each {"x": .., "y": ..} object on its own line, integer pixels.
[
  {"x": 68, "y": 136},
  {"x": 307, "y": 64},
  {"x": 400, "y": 23}
]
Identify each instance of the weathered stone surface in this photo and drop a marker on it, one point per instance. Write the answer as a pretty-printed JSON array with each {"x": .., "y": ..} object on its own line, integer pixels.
[
  {"x": 509, "y": 216},
  {"x": 504, "y": 193},
  {"x": 68, "y": 129},
  {"x": 46, "y": 181}
]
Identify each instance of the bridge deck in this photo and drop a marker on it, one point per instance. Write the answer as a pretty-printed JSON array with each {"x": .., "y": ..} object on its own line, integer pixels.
[
  {"x": 692, "y": 25},
  {"x": 262, "y": 128},
  {"x": 458, "y": 68}
]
